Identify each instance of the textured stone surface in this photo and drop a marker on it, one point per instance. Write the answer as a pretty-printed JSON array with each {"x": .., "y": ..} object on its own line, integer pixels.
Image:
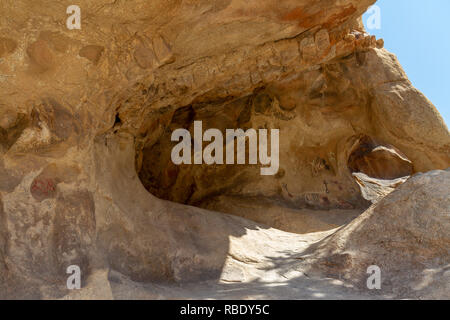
[
  {"x": 405, "y": 234},
  {"x": 85, "y": 123}
]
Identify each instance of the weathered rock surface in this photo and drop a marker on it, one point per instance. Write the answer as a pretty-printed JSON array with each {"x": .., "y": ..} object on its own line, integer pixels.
[
  {"x": 405, "y": 234},
  {"x": 85, "y": 172}
]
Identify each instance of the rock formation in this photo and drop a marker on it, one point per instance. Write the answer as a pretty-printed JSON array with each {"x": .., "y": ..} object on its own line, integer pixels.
[
  {"x": 86, "y": 177},
  {"x": 405, "y": 234}
]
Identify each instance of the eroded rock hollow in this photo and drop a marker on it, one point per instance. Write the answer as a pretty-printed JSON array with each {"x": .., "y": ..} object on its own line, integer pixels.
[{"x": 87, "y": 179}]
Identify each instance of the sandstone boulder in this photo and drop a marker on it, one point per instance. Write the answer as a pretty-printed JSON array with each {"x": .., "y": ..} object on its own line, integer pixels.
[{"x": 405, "y": 234}]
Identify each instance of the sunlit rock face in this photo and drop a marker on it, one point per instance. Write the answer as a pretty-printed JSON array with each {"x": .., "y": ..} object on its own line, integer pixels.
[
  {"x": 86, "y": 118},
  {"x": 406, "y": 230}
]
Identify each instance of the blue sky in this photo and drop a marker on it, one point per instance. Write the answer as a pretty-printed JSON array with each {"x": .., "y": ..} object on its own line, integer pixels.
[{"x": 417, "y": 32}]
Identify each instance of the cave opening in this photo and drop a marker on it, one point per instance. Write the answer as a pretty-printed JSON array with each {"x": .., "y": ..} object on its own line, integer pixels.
[
  {"x": 193, "y": 183},
  {"x": 378, "y": 168},
  {"x": 311, "y": 193},
  {"x": 328, "y": 173}
]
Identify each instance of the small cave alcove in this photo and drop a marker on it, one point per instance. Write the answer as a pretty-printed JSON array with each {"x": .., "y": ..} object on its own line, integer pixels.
[{"x": 377, "y": 167}]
